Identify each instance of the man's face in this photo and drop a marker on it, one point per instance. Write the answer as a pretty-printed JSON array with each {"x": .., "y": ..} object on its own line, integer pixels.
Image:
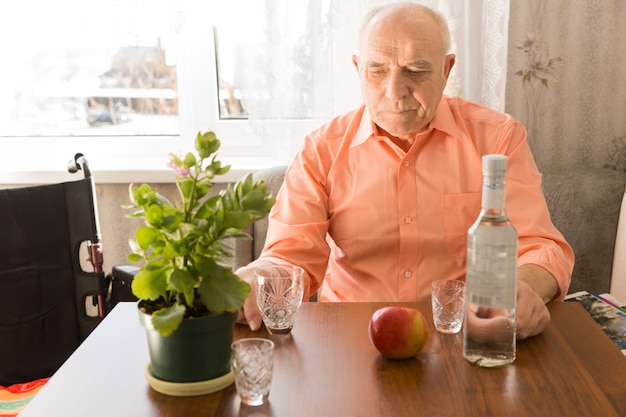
[{"x": 403, "y": 70}]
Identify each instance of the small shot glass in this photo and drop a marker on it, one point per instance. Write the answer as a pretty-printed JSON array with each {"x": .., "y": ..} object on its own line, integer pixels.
[
  {"x": 448, "y": 303},
  {"x": 252, "y": 362}
]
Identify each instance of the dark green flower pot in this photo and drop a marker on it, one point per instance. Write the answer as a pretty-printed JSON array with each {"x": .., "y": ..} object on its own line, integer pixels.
[{"x": 199, "y": 350}]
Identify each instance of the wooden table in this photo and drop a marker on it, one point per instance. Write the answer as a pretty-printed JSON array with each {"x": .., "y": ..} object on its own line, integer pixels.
[{"x": 327, "y": 367}]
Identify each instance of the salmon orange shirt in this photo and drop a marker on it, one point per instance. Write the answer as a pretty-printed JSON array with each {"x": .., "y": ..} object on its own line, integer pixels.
[{"x": 375, "y": 223}]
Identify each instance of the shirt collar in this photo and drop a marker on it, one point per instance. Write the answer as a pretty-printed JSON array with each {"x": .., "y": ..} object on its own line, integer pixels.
[
  {"x": 365, "y": 129},
  {"x": 443, "y": 120}
]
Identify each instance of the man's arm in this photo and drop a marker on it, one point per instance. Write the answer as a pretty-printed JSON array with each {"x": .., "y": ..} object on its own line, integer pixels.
[
  {"x": 535, "y": 288},
  {"x": 544, "y": 254},
  {"x": 540, "y": 280}
]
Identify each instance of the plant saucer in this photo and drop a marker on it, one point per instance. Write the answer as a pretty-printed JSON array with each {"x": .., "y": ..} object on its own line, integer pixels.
[{"x": 188, "y": 389}]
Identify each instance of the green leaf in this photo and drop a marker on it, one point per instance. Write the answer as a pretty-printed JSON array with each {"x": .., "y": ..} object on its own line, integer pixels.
[
  {"x": 139, "y": 195},
  {"x": 134, "y": 246},
  {"x": 237, "y": 220},
  {"x": 255, "y": 200},
  {"x": 207, "y": 144},
  {"x": 238, "y": 235},
  {"x": 154, "y": 215},
  {"x": 202, "y": 189},
  {"x": 190, "y": 160},
  {"x": 157, "y": 247},
  {"x": 247, "y": 184},
  {"x": 172, "y": 219},
  {"x": 216, "y": 168},
  {"x": 207, "y": 208},
  {"x": 222, "y": 170},
  {"x": 162, "y": 201},
  {"x": 226, "y": 292},
  {"x": 186, "y": 186},
  {"x": 146, "y": 236},
  {"x": 133, "y": 257},
  {"x": 169, "y": 253},
  {"x": 182, "y": 282},
  {"x": 206, "y": 266},
  {"x": 186, "y": 230},
  {"x": 150, "y": 283},
  {"x": 167, "y": 319},
  {"x": 232, "y": 197}
]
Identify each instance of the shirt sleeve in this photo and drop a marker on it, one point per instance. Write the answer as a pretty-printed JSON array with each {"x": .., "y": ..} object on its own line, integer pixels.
[
  {"x": 298, "y": 222},
  {"x": 540, "y": 242}
]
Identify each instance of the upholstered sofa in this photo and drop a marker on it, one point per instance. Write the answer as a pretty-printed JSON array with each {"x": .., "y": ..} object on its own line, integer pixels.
[{"x": 584, "y": 204}]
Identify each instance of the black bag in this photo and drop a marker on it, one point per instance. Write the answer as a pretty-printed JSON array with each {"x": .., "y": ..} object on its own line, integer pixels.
[{"x": 121, "y": 281}]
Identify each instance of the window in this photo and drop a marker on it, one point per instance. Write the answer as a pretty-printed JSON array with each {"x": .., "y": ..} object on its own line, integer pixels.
[
  {"x": 110, "y": 75},
  {"x": 124, "y": 82}
]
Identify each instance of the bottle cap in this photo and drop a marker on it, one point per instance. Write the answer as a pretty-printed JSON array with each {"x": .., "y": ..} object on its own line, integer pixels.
[{"x": 494, "y": 164}]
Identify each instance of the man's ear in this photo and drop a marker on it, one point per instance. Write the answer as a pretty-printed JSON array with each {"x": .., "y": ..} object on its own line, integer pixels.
[
  {"x": 355, "y": 62},
  {"x": 450, "y": 60}
]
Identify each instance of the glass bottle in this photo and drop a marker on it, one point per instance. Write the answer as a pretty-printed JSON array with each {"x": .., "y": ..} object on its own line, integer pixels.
[{"x": 491, "y": 275}]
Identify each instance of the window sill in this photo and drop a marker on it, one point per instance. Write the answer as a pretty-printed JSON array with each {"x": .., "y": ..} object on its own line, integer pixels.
[{"x": 125, "y": 171}]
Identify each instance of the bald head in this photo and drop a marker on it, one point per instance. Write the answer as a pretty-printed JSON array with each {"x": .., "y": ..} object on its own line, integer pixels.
[
  {"x": 404, "y": 13},
  {"x": 403, "y": 66}
]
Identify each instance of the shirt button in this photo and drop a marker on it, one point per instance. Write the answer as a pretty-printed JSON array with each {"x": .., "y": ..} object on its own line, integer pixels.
[
  {"x": 407, "y": 220},
  {"x": 406, "y": 163},
  {"x": 407, "y": 274}
]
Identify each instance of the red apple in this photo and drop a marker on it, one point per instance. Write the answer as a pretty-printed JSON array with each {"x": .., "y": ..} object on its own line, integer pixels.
[{"x": 398, "y": 332}]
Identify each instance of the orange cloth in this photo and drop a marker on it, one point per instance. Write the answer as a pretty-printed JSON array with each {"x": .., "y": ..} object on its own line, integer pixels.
[
  {"x": 397, "y": 221},
  {"x": 15, "y": 397}
]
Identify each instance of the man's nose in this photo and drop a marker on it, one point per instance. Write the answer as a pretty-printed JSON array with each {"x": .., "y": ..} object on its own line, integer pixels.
[{"x": 397, "y": 86}]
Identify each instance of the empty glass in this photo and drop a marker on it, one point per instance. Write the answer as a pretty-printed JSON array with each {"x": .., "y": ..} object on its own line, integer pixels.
[
  {"x": 279, "y": 295},
  {"x": 252, "y": 362},
  {"x": 448, "y": 301}
]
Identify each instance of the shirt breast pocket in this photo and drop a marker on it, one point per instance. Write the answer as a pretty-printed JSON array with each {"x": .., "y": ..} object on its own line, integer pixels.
[{"x": 459, "y": 213}]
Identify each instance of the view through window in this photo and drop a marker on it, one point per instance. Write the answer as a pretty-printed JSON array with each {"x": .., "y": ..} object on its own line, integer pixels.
[
  {"x": 76, "y": 68},
  {"x": 230, "y": 94},
  {"x": 239, "y": 38}
]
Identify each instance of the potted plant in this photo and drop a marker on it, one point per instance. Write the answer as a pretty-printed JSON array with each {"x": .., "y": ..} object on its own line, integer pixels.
[{"x": 183, "y": 282}]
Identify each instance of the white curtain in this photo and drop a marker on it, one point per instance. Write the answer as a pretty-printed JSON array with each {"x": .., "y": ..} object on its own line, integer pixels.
[{"x": 303, "y": 74}]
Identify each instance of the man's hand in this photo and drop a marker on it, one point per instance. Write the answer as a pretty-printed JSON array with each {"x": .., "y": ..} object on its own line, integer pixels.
[
  {"x": 535, "y": 288},
  {"x": 489, "y": 325},
  {"x": 531, "y": 315},
  {"x": 492, "y": 325},
  {"x": 250, "y": 313}
]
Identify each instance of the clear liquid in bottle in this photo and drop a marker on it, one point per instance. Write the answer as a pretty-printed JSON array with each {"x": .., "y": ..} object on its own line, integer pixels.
[{"x": 489, "y": 330}]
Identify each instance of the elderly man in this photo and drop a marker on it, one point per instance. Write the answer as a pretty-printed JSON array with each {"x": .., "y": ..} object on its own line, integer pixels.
[{"x": 378, "y": 202}]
